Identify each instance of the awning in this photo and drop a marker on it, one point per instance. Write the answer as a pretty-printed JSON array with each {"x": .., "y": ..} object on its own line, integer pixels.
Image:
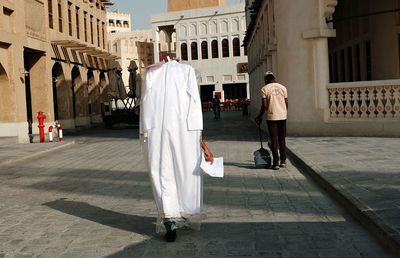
[{"x": 76, "y": 52}]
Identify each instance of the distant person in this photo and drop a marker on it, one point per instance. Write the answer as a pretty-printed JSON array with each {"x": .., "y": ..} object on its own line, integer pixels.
[
  {"x": 216, "y": 103},
  {"x": 275, "y": 102}
]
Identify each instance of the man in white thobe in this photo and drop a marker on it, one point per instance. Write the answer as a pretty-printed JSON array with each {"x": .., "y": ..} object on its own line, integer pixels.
[{"x": 171, "y": 122}]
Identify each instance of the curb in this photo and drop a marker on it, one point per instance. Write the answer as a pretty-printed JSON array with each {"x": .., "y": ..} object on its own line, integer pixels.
[
  {"x": 361, "y": 212},
  {"x": 36, "y": 154}
]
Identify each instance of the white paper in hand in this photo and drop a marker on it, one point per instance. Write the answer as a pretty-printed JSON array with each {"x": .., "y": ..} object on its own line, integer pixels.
[{"x": 216, "y": 169}]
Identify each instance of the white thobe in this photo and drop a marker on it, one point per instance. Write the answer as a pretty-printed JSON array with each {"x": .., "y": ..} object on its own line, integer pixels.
[{"x": 171, "y": 118}]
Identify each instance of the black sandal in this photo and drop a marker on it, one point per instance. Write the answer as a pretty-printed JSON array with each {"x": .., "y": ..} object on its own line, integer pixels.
[{"x": 170, "y": 226}]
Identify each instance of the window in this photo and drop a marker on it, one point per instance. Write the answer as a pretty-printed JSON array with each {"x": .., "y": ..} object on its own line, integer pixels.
[
  {"x": 236, "y": 47},
  {"x": 50, "y": 9},
  {"x": 245, "y": 50},
  {"x": 204, "y": 50},
  {"x": 91, "y": 29},
  {"x": 335, "y": 67},
  {"x": 103, "y": 25},
  {"x": 85, "y": 25},
  {"x": 98, "y": 32},
  {"x": 184, "y": 52},
  {"x": 368, "y": 59},
  {"x": 358, "y": 63},
  {"x": 225, "y": 48},
  {"x": 193, "y": 50},
  {"x": 342, "y": 66},
  {"x": 214, "y": 48},
  {"x": 349, "y": 64},
  {"x": 70, "y": 18},
  {"x": 330, "y": 68},
  {"x": 60, "y": 20},
  {"x": 77, "y": 22}
]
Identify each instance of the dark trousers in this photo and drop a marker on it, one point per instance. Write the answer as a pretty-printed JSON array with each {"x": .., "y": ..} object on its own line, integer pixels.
[
  {"x": 277, "y": 134},
  {"x": 217, "y": 112}
]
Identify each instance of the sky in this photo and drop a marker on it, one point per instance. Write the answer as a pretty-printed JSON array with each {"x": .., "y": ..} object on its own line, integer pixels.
[{"x": 141, "y": 10}]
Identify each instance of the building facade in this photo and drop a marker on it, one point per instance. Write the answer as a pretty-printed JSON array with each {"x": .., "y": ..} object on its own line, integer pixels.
[
  {"x": 132, "y": 46},
  {"x": 118, "y": 22},
  {"x": 52, "y": 59},
  {"x": 209, "y": 39},
  {"x": 338, "y": 59},
  {"x": 179, "y": 5}
]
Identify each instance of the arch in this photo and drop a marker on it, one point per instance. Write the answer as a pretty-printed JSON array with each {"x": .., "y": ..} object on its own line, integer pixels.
[
  {"x": 193, "y": 51},
  {"x": 184, "y": 51},
  {"x": 183, "y": 31},
  {"x": 213, "y": 27},
  {"x": 93, "y": 94},
  {"x": 102, "y": 79},
  {"x": 224, "y": 26},
  {"x": 5, "y": 91},
  {"x": 214, "y": 48},
  {"x": 203, "y": 29},
  {"x": 90, "y": 81},
  {"x": 235, "y": 25},
  {"x": 102, "y": 86},
  {"x": 204, "y": 50},
  {"x": 173, "y": 41},
  {"x": 193, "y": 29},
  {"x": 76, "y": 81},
  {"x": 58, "y": 78},
  {"x": 90, "y": 78},
  {"x": 243, "y": 26},
  {"x": 236, "y": 46},
  {"x": 164, "y": 40},
  {"x": 225, "y": 48}
]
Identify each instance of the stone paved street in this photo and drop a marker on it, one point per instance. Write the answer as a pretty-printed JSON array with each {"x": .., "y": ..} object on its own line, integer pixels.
[{"x": 93, "y": 199}]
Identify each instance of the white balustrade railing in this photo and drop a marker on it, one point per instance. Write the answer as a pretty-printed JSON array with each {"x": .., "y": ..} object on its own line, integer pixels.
[{"x": 365, "y": 100}]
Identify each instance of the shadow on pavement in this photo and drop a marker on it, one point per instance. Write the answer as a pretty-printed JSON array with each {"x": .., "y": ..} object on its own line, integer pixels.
[
  {"x": 133, "y": 223},
  {"x": 136, "y": 185},
  {"x": 238, "y": 239}
]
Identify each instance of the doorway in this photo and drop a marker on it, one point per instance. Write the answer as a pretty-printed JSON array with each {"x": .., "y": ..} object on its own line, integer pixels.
[
  {"x": 206, "y": 92},
  {"x": 235, "y": 91},
  {"x": 5, "y": 100},
  {"x": 75, "y": 83},
  {"x": 57, "y": 75}
]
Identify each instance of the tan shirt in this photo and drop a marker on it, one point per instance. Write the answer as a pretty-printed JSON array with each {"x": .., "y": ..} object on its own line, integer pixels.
[{"x": 276, "y": 94}]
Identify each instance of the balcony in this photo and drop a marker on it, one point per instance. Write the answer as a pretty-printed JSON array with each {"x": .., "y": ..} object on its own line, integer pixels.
[{"x": 365, "y": 101}]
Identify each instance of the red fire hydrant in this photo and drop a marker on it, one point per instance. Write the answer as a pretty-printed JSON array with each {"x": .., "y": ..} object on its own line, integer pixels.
[{"x": 41, "y": 117}]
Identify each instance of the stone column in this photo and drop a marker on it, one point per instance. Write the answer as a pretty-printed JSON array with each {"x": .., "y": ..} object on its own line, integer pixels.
[
  {"x": 156, "y": 42},
  {"x": 302, "y": 61},
  {"x": 319, "y": 39}
]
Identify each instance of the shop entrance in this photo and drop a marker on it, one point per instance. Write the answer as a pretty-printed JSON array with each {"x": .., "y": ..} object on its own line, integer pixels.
[
  {"x": 234, "y": 91},
  {"x": 206, "y": 92},
  {"x": 57, "y": 75},
  {"x": 76, "y": 82}
]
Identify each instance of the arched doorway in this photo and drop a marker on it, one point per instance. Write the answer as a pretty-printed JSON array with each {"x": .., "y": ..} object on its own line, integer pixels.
[
  {"x": 103, "y": 85},
  {"x": 5, "y": 100},
  {"x": 58, "y": 78},
  {"x": 76, "y": 81},
  {"x": 91, "y": 87}
]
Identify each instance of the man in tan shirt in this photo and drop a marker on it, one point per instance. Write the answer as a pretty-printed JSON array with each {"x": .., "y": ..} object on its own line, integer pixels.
[{"x": 275, "y": 103}]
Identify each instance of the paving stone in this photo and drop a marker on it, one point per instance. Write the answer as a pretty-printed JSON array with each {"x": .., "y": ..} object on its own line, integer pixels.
[{"x": 94, "y": 200}]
